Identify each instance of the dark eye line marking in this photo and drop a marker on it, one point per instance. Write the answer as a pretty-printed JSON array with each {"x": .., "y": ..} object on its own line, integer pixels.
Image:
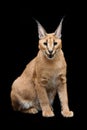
[
  {"x": 55, "y": 43},
  {"x": 45, "y": 43}
]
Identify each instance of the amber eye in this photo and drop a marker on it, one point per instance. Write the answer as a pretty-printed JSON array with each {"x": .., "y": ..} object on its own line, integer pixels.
[
  {"x": 45, "y": 43},
  {"x": 55, "y": 43}
]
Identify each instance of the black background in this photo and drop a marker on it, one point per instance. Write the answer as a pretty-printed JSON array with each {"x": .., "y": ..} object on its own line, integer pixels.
[{"x": 22, "y": 47}]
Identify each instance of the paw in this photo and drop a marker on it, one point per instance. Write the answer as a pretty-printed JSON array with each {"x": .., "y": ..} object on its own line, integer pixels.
[
  {"x": 33, "y": 110},
  {"x": 48, "y": 113},
  {"x": 67, "y": 113}
]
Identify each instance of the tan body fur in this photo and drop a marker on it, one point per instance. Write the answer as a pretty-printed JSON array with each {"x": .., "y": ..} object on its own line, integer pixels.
[{"x": 42, "y": 79}]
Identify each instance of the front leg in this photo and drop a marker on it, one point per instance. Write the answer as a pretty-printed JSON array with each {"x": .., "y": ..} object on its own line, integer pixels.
[
  {"x": 63, "y": 96},
  {"x": 44, "y": 101}
]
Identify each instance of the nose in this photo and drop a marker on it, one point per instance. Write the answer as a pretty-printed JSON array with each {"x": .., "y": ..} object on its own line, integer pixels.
[{"x": 50, "y": 51}]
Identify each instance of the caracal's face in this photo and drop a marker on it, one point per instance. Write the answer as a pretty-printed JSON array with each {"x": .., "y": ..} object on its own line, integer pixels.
[{"x": 50, "y": 45}]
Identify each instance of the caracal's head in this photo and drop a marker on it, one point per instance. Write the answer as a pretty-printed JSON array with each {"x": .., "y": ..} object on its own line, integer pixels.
[{"x": 49, "y": 43}]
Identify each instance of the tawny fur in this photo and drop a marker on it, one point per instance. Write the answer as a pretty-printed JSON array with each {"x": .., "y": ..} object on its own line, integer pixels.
[{"x": 43, "y": 78}]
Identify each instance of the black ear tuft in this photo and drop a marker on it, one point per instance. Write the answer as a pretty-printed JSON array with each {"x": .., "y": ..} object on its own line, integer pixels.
[
  {"x": 59, "y": 29},
  {"x": 41, "y": 30}
]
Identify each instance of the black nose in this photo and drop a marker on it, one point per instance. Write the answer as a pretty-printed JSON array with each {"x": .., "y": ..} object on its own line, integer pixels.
[{"x": 50, "y": 51}]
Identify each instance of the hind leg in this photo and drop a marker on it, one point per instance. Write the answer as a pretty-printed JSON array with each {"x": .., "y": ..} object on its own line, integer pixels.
[{"x": 23, "y": 96}]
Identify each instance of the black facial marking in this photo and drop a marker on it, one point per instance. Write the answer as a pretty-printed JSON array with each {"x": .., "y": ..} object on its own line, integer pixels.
[
  {"x": 55, "y": 43},
  {"x": 45, "y": 43}
]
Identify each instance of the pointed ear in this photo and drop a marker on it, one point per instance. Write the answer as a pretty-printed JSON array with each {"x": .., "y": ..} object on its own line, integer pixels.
[
  {"x": 41, "y": 30},
  {"x": 59, "y": 30}
]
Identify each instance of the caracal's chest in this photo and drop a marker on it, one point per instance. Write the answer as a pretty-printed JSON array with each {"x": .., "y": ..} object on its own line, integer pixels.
[
  {"x": 48, "y": 74},
  {"x": 52, "y": 80}
]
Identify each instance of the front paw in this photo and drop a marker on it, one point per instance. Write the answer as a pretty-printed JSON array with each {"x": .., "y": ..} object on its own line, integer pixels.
[
  {"x": 48, "y": 113},
  {"x": 67, "y": 113}
]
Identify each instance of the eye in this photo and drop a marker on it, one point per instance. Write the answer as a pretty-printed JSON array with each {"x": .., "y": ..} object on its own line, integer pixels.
[
  {"x": 45, "y": 43},
  {"x": 55, "y": 43}
]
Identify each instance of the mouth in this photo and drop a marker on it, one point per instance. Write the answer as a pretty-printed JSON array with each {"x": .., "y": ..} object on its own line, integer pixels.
[{"x": 50, "y": 56}]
